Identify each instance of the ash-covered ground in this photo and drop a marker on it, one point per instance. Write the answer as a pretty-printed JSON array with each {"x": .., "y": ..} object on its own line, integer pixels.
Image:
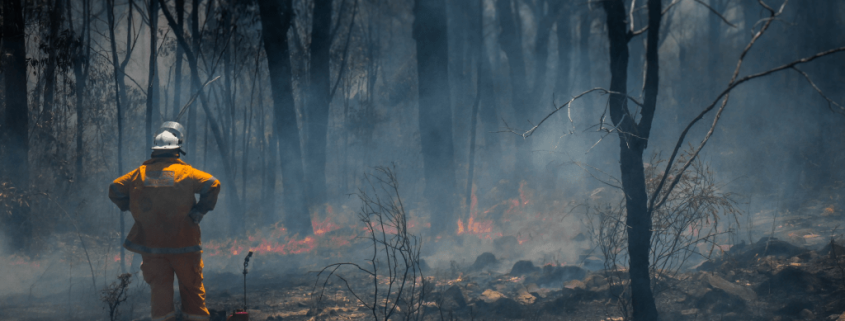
[{"x": 796, "y": 272}]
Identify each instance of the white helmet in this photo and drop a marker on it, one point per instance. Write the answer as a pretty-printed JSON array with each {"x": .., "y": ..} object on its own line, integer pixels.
[{"x": 170, "y": 136}]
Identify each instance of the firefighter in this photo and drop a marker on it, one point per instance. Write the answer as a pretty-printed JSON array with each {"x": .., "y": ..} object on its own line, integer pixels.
[{"x": 160, "y": 196}]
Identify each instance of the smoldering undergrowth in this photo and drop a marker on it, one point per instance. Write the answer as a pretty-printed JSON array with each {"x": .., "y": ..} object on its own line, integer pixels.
[
  {"x": 396, "y": 286},
  {"x": 692, "y": 224}
]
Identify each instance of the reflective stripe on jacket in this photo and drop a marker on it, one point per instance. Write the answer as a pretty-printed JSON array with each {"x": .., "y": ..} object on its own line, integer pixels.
[{"x": 160, "y": 194}]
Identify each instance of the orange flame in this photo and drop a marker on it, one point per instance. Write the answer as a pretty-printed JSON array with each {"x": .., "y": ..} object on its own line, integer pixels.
[
  {"x": 323, "y": 227},
  {"x": 474, "y": 225}
]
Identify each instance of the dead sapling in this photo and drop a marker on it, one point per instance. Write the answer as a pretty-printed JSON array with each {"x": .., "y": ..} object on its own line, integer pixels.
[
  {"x": 397, "y": 287},
  {"x": 115, "y": 294}
]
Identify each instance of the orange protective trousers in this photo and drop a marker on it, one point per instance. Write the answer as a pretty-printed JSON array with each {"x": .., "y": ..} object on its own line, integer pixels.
[{"x": 158, "y": 270}]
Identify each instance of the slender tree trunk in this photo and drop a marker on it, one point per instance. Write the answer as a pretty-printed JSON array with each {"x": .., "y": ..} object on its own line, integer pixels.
[
  {"x": 510, "y": 41},
  {"x": 633, "y": 139},
  {"x": 317, "y": 113},
  {"x": 541, "y": 52},
  {"x": 228, "y": 94},
  {"x": 276, "y": 17},
  {"x": 429, "y": 31},
  {"x": 117, "y": 96},
  {"x": 584, "y": 71},
  {"x": 488, "y": 115},
  {"x": 80, "y": 70},
  {"x": 460, "y": 79},
  {"x": 475, "y": 35},
  {"x": 46, "y": 126},
  {"x": 191, "y": 140},
  {"x": 152, "y": 88},
  {"x": 16, "y": 121},
  {"x": 247, "y": 129},
  {"x": 564, "y": 55},
  {"x": 713, "y": 52},
  {"x": 177, "y": 86}
]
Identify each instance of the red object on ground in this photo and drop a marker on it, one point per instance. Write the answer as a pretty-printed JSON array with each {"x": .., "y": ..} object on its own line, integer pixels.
[{"x": 239, "y": 315}]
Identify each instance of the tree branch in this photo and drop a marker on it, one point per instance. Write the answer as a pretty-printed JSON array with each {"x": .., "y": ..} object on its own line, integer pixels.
[
  {"x": 830, "y": 102},
  {"x": 716, "y": 13},
  {"x": 567, "y": 104},
  {"x": 726, "y": 95}
]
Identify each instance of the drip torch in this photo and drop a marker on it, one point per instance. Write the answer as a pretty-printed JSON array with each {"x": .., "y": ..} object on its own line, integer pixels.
[{"x": 242, "y": 314}]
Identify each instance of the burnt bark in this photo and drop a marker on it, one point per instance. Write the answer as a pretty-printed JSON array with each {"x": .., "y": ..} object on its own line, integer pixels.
[
  {"x": 81, "y": 64},
  {"x": 46, "y": 125},
  {"x": 435, "y": 115},
  {"x": 633, "y": 139},
  {"x": 16, "y": 120},
  {"x": 317, "y": 112},
  {"x": 192, "y": 137},
  {"x": 119, "y": 96},
  {"x": 177, "y": 78},
  {"x": 476, "y": 36},
  {"x": 510, "y": 40},
  {"x": 564, "y": 51},
  {"x": 276, "y": 19},
  {"x": 152, "y": 87},
  {"x": 584, "y": 63}
]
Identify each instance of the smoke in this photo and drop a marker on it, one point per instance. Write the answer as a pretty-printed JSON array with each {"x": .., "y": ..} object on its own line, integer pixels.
[{"x": 778, "y": 145}]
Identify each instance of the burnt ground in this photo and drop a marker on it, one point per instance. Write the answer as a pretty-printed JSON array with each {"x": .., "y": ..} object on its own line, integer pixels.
[{"x": 798, "y": 274}]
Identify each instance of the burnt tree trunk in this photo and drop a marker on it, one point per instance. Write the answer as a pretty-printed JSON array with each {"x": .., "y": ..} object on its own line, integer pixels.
[
  {"x": 81, "y": 64},
  {"x": 584, "y": 64},
  {"x": 177, "y": 78},
  {"x": 541, "y": 51},
  {"x": 633, "y": 139},
  {"x": 317, "y": 111},
  {"x": 15, "y": 127},
  {"x": 152, "y": 87},
  {"x": 564, "y": 54},
  {"x": 276, "y": 19},
  {"x": 510, "y": 39},
  {"x": 192, "y": 137},
  {"x": 45, "y": 128},
  {"x": 435, "y": 114},
  {"x": 118, "y": 95}
]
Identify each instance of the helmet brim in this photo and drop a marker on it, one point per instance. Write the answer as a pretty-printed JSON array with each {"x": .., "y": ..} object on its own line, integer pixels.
[{"x": 165, "y": 147}]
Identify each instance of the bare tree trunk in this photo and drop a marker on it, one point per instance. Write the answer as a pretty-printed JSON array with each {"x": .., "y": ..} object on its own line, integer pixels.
[
  {"x": 16, "y": 121},
  {"x": 633, "y": 139},
  {"x": 152, "y": 88},
  {"x": 317, "y": 113},
  {"x": 191, "y": 139},
  {"x": 81, "y": 64},
  {"x": 228, "y": 94},
  {"x": 584, "y": 71},
  {"x": 276, "y": 20},
  {"x": 460, "y": 79},
  {"x": 435, "y": 116},
  {"x": 564, "y": 52},
  {"x": 541, "y": 51},
  {"x": 117, "y": 96},
  {"x": 510, "y": 40},
  {"x": 46, "y": 126},
  {"x": 177, "y": 91}
]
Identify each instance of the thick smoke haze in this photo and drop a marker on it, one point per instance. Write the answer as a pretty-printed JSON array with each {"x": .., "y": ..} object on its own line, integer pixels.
[{"x": 777, "y": 149}]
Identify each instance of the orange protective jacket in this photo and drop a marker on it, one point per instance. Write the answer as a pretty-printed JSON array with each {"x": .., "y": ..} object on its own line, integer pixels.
[{"x": 160, "y": 194}]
